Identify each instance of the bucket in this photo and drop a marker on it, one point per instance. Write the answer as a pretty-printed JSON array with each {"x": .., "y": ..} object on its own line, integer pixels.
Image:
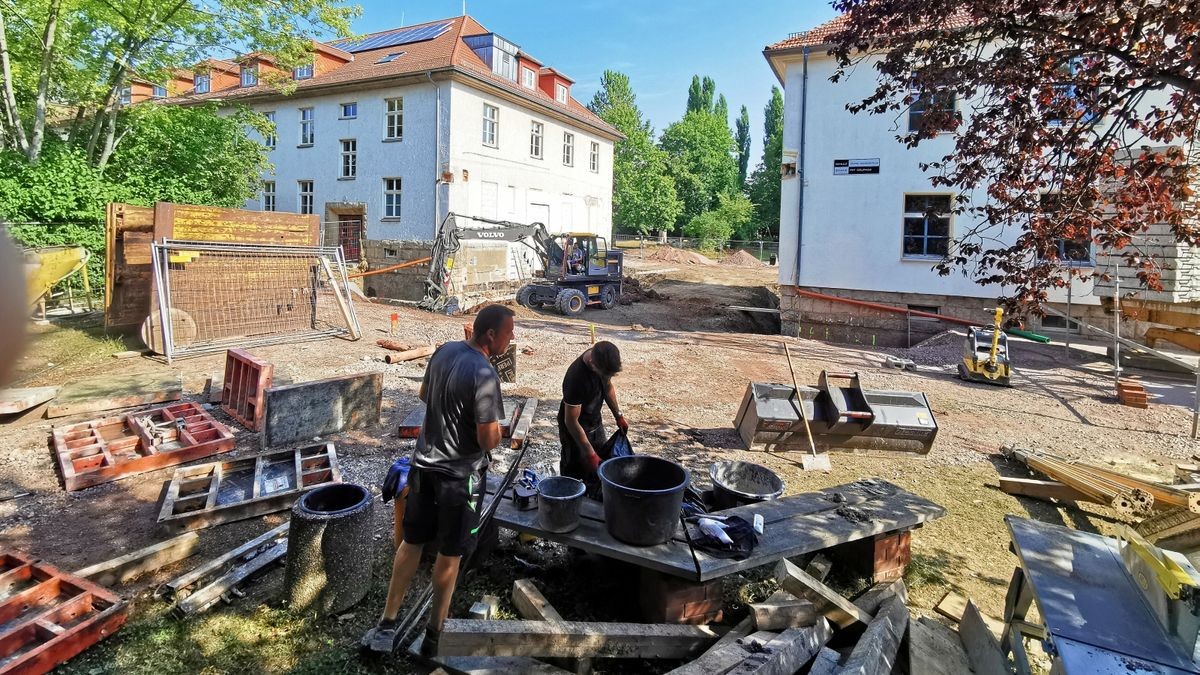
[
  {"x": 642, "y": 496},
  {"x": 559, "y": 498},
  {"x": 740, "y": 483},
  {"x": 330, "y": 549}
]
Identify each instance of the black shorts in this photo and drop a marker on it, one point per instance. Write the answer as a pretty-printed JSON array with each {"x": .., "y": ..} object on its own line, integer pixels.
[{"x": 443, "y": 508}]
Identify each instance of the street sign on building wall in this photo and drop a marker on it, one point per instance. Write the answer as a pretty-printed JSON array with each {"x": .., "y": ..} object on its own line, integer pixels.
[{"x": 850, "y": 167}]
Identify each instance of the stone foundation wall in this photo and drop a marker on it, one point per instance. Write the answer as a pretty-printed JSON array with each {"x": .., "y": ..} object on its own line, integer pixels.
[
  {"x": 481, "y": 271},
  {"x": 403, "y": 284},
  {"x": 839, "y": 322}
]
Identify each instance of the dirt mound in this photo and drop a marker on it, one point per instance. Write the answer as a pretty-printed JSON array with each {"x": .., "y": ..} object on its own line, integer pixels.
[
  {"x": 742, "y": 259},
  {"x": 633, "y": 290},
  {"x": 942, "y": 349},
  {"x": 677, "y": 255}
]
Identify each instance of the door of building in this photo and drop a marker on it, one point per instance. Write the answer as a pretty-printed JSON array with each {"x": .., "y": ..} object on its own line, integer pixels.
[{"x": 350, "y": 234}]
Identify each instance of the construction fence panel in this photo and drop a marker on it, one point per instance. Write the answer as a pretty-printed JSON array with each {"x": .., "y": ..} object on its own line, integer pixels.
[{"x": 236, "y": 295}]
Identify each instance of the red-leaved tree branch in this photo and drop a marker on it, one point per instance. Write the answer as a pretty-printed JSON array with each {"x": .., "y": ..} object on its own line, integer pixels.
[{"x": 1075, "y": 126}]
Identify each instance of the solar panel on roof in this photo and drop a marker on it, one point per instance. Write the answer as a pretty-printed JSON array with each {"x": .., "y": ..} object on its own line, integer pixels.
[{"x": 401, "y": 36}]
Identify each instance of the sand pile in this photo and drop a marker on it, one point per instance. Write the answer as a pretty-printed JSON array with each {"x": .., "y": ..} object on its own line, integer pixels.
[
  {"x": 742, "y": 259},
  {"x": 677, "y": 255}
]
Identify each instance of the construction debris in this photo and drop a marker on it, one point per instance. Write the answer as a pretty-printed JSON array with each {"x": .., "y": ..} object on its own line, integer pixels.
[
  {"x": 226, "y": 584},
  {"x": 132, "y": 565},
  {"x": 114, "y": 392},
  {"x": 178, "y": 587},
  {"x": 1131, "y": 393},
  {"x": 982, "y": 647},
  {"x": 782, "y": 610},
  {"x": 935, "y": 649},
  {"x": 393, "y": 345},
  {"x": 244, "y": 389},
  {"x": 876, "y": 651},
  {"x": 1046, "y": 490},
  {"x": 297, "y": 413},
  {"x": 634, "y": 290},
  {"x": 13, "y": 401},
  {"x": 468, "y": 637},
  {"x": 827, "y": 601},
  {"x": 410, "y": 354}
]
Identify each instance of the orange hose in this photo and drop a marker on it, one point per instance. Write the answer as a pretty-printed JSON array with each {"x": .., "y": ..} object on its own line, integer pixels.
[
  {"x": 885, "y": 308},
  {"x": 391, "y": 269}
]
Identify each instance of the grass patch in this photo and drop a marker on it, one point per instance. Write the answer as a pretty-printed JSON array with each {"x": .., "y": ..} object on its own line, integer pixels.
[{"x": 71, "y": 345}]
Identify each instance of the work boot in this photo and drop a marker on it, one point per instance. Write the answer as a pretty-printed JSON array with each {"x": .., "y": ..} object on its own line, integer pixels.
[
  {"x": 429, "y": 645},
  {"x": 381, "y": 638}
]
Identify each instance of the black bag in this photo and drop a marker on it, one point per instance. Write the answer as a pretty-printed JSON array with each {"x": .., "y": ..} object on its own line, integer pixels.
[{"x": 618, "y": 445}]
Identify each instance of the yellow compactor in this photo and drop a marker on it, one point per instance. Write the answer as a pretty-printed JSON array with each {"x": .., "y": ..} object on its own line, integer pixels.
[{"x": 985, "y": 354}]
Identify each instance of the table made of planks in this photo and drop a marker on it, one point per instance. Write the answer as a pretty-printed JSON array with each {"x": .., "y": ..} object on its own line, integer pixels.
[{"x": 794, "y": 525}]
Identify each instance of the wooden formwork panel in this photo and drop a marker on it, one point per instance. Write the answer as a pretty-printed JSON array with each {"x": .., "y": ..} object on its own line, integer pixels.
[
  {"x": 244, "y": 390},
  {"x": 220, "y": 492},
  {"x": 48, "y": 616},
  {"x": 103, "y": 450}
]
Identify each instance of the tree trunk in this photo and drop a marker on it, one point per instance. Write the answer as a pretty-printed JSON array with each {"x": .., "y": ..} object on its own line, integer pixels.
[
  {"x": 39, "y": 115},
  {"x": 11, "y": 115}
]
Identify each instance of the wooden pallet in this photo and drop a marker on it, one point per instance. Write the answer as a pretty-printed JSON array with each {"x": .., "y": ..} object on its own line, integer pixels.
[
  {"x": 221, "y": 492},
  {"x": 48, "y": 616},
  {"x": 246, "y": 382},
  {"x": 107, "y": 449}
]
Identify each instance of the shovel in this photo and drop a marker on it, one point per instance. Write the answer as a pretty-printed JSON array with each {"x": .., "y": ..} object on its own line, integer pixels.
[{"x": 812, "y": 461}]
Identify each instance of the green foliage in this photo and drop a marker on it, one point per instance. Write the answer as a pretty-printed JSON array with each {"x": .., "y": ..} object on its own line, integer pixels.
[
  {"x": 643, "y": 193},
  {"x": 742, "y": 141},
  {"x": 695, "y": 96},
  {"x": 731, "y": 216},
  {"x": 721, "y": 109},
  {"x": 700, "y": 148},
  {"x": 764, "y": 182}
]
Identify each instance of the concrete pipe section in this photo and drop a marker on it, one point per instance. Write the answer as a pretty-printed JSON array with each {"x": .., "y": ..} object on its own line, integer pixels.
[{"x": 329, "y": 549}]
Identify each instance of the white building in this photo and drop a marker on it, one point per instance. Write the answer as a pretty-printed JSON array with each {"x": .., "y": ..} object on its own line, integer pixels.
[
  {"x": 384, "y": 135},
  {"x": 852, "y": 215}
]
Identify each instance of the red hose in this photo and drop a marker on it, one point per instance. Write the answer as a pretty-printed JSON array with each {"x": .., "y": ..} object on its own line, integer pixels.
[{"x": 884, "y": 308}]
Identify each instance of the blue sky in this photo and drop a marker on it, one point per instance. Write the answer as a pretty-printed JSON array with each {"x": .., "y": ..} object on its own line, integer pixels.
[{"x": 660, "y": 44}]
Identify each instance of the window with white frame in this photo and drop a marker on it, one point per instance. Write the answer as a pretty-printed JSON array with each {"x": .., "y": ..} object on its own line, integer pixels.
[
  {"x": 394, "y": 123},
  {"x": 536, "y": 129},
  {"x": 391, "y": 197},
  {"x": 491, "y": 120},
  {"x": 307, "y": 128},
  {"x": 560, "y": 93},
  {"x": 303, "y": 72},
  {"x": 249, "y": 75},
  {"x": 268, "y": 195},
  {"x": 943, "y": 104},
  {"x": 507, "y": 68},
  {"x": 306, "y": 196},
  {"x": 528, "y": 78},
  {"x": 126, "y": 95},
  {"x": 594, "y": 158},
  {"x": 349, "y": 158},
  {"x": 201, "y": 83},
  {"x": 1074, "y": 247},
  {"x": 159, "y": 91},
  {"x": 349, "y": 110},
  {"x": 270, "y": 139},
  {"x": 568, "y": 149},
  {"x": 926, "y": 226}
]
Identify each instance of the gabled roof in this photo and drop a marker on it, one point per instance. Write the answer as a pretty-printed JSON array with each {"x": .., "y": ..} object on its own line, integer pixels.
[
  {"x": 815, "y": 37},
  {"x": 445, "y": 53}
]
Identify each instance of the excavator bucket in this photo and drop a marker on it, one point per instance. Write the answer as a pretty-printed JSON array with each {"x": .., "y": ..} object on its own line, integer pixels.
[{"x": 45, "y": 267}]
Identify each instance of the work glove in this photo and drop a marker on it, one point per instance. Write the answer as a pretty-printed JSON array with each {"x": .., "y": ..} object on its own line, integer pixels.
[
  {"x": 622, "y": 424},
  {"x": 593, "y": 461}
]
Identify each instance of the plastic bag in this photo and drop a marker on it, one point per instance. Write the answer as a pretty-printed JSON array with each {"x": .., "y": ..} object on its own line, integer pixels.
[
  {"x": 397, "y": 478},
  {"x": 618, "y": 445}
]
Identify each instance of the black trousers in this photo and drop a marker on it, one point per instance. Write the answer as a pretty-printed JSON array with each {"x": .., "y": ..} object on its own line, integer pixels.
[{"x": 573, "y": 460}]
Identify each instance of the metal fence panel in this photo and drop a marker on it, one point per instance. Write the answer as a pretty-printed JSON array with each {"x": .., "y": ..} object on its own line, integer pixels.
[{"x": 234, "y": 295}]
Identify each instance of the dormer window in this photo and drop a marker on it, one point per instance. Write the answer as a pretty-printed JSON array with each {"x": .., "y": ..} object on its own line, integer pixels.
[
  {"x": 158, "y": 91},
  {"x": 201, "y": 83},
  {"x": 560, "y": 93},
  {"x": 304, "y": 72},
  {"x": 249, "y": 76},
  {"x": 528, "y": 78},
  {"x": 390, "y": 57},
  {"x": 508, "y": 66}
]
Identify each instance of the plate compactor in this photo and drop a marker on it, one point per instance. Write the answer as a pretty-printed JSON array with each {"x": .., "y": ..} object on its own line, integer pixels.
[{"x": 985, "y": 354}]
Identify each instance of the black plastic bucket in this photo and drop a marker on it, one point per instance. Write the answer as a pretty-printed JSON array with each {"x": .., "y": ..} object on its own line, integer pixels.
[
  {"x": 642, "y": 496},
  {"x": 330, "y": 549},
  {"x": 559, "y": 498},
  {"x": 740, "y": 483}
]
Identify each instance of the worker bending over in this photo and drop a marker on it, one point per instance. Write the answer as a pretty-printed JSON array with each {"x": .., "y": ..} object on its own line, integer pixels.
[
  {"x": 588, "y": 384},
  {"x": 464, "y": 407}
]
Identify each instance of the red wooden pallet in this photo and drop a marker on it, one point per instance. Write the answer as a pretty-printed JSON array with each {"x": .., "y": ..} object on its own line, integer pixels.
[
  {"x": 246, "y": 381},
  {"x": 107, "y": 449},
  {"x": 48, "y": 616}
]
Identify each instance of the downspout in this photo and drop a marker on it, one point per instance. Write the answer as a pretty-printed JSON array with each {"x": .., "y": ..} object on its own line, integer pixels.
[
  {"x": 800, "y": 169},
  {"x": 437, "y": 152}
]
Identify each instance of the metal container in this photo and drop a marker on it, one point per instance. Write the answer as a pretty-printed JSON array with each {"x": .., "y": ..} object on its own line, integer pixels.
[
  {"x": 740, "y": 483},
  {"x": 642, "y": 496},
  {"x": 559, "y": 498}
]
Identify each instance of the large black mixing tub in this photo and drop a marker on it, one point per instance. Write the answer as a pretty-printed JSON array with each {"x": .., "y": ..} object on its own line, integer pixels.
[{"x": 642, "y": 496}]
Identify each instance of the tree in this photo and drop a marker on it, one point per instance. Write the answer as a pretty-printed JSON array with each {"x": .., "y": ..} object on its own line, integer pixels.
[
  {"x": 708, "y": 91},
  {"x": 764, "y": 183},
  {"x": 643, "y": 193},
  {"x": 742, "y": 140},
  {"x": 695, "y": 102},
  {"x": 1095, "y": 103},
  {"x": 721, "y": 109},
  {"x": 717, "y": 226},
  {"x": 86, "y": 51},
  {"x": 701, "y": 148}
]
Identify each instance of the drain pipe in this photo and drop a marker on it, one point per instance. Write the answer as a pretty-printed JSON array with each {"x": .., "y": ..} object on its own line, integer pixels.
[
  {"x": 800, "y": 169},
  {"x": 437, "y": 151}
]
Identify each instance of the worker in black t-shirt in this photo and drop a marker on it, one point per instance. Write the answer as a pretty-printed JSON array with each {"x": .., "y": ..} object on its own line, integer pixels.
[{"x": 588, "y": 384}]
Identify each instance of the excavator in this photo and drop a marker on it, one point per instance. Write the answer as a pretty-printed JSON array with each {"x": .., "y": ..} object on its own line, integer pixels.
[
  {"x": 985, "y": 354},
  {"x": 578, "y": 268},
  {"x": 45, "y": 267}
]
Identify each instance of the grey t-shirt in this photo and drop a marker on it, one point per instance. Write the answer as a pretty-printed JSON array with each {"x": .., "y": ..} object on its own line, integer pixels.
[{"x": 461, "y": 391}]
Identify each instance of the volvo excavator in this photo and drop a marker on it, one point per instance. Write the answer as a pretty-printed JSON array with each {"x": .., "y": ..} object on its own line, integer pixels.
[{"x": 578, "y": 268}]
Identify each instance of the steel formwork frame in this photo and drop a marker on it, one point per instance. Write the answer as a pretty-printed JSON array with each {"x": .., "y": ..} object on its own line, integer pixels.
[{"x": 222, "y": 297}]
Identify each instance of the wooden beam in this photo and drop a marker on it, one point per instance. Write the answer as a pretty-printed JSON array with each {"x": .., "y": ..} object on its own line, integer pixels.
[
  {"x": 131, "y": 565},
  {"x": 172, "y": 587},
  {"x": 935, "y": 649},
  {"x": 1043, "y": 489},
  {"x": 13, "y": 401},
  {"x": 410, "y": 355},
  {"x": 827, "y": 601},
  {"x": 466, "y": 637},
  {"x": 207, "y": 596},
  {"x": 874, "y": 597},
  {"x": 487, "y": 665},
  {"x": 953, "y": 606},
  {"x": 725, "y": 653},
  {"x": 826, "y": 663},
  {"x": 819, "y": 567},
  {"x": 877, "y": 649},
  {"x": 782, "y": 610},
  {"x": 787, "y": 653},
  {"x": 982, "y": 647},
  {"x": 342, "y": 301},
  {"x": 520, "y": 431},
  {"x": 531, "y": 604},
  {"x": 485, "y": 608}
]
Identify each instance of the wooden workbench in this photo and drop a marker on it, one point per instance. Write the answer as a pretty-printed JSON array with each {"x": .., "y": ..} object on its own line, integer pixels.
[{"x": 795, "y": 525}]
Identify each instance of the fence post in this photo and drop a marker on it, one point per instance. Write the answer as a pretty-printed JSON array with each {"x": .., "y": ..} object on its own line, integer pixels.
[{"x": 760, "y": 249}]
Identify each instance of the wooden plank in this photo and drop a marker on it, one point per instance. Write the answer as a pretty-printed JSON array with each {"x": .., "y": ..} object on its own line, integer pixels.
[
  {"x": 466, "y": 637},
  {"x": 827, "y": 662},
  {"x": 782, "y": 610},
  {"x": 205, "y": 597},
  {"x": 877, "y": 649},
  {"x": 873, "y": 598},
  {"x": 952, "y": 606},
  {"x": 335, "y": 283},
  {"x": 410, "y": 355},
  {"x": 1043, "y": 489},
  {"x": 131, "y": 565},
  {"x": 819, "y": 567},
  {"x": 485, "y": 608},
  {"x": 531, "y": 604},
  {"x": 520, "y": 431},
  {"x": 487, "y": 665},
  {"x": 787, "y": 653},
  {"x": 13, "y": 401},
  {"x": 175, "y": 585},
  {"x": 722, "y": 656},
  {"x": 982, "y": 647},
  {"x": 935, "y": 649},
  {"x": 119, "y": 391},
  {"x": 828, "y": 602}
]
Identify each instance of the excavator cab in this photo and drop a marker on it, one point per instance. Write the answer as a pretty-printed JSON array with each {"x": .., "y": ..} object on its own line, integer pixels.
[{"x": 580, "y": 270}]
